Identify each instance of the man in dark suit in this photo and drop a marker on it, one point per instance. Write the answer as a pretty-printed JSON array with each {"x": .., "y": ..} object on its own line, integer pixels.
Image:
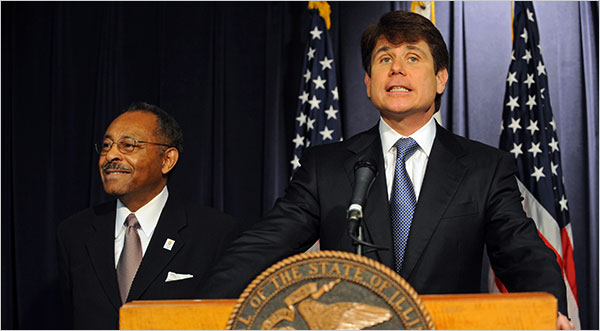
[
  {"x": 163, "y": 250},
  {"x": 437, "y": 198}
]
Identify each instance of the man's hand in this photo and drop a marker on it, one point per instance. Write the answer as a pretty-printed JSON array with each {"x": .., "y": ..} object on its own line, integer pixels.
[{"x": 564, "y": 323}]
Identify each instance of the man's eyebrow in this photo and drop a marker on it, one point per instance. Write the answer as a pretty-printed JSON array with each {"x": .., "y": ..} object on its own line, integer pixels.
[
  {"x": 381, "y": 50},
  {"x": 415, "y": 48}
]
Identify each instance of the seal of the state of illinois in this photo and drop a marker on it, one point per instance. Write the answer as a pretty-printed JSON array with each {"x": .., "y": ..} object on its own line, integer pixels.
[{"x": 329, "y": 290}]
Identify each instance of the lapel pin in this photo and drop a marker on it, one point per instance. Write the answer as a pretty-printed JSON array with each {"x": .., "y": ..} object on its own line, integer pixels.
[{"x": 169, "y": 244}]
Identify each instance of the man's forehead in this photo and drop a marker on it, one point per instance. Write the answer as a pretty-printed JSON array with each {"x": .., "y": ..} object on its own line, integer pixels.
[
  {"x": 133, "y": 124},
  {"x": 384, "y": 44}
]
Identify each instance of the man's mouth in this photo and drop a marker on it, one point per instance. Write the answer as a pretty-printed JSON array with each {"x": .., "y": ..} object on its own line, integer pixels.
[
  {"x": 398, "y": 88},
  {"x": 115, "y": 169}
]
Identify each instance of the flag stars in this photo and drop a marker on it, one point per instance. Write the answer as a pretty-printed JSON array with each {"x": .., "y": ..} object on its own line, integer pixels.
[
  {"x": 527, "y": 56},
  {"x": 552, "y": 124},
  {"x": 512, "y": 78},
  {"x": 326, "y": 133},
  {"x": 553, "y": 144},
  {"x": 529, "y": 80},
  {"x": 331, "y": 113},
  {"x": 529, "y": 15},
  {"x": 319, "y": 82},
  {"x": 301, "y": 119},
  {"x": 516, "y": 150},
  {"x": 524, "y": 35},
  {"x": 553, "y": 167},
  {"x": 307, "y": 76},
  {"x": 335, "y": 93},
  {"x": 310, "y": 125},
  {"x": 304, "y": 97},
  {"x": 531, "y": 101},
  {"x": 512, "y": 103},
  {"x": 311, "y": 53},
  {"x": 512, "y": 55},
  {"x": 538, "y": 173},
  {"x": 541, "y": 68},
  {"x": 542, "y": 92},
  {"x": 533, "y": 126},
  {"x": 325, "y": 64},
  {"x": 299, "y": 140},
  {"x": 535, "y": 149},
  {"x": 316, "y": 33},
  {"x": 295, "y": 162},
  {"x": 314, "y": 103},
  {"x": 515, "y": 124},
  {"x": 563, "y": 203}
]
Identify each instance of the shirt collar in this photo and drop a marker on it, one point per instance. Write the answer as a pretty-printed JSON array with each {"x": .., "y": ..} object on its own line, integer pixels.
[
  {"x": 147, "y": 215},
  {"x": 424, "y": 136}
]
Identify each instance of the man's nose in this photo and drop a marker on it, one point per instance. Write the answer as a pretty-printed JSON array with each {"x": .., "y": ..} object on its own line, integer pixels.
[
  {"x": 397, "y": 67},
  {"x": 113, "y": 153}
]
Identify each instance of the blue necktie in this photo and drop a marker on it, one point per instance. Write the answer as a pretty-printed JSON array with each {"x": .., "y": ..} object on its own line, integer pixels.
[{"x": 402, "y": 199}]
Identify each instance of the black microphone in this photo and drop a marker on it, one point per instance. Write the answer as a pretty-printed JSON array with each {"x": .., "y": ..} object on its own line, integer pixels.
[{"x": 364, "y": 176}]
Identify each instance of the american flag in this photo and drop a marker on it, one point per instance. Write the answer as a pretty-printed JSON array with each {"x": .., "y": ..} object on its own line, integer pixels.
[
  {"x": 318, "y": 118},
  {"x": 529, "y": 133}
]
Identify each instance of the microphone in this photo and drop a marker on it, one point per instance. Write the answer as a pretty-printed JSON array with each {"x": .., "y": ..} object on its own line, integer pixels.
[{"x": 364, "y": 176}]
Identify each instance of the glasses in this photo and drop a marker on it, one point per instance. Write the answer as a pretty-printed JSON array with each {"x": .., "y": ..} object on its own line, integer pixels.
[{"x": 124, "y": 145}]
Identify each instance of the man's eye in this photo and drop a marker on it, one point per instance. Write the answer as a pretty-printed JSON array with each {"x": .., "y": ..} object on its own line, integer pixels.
[
  {"x": 385, "y": 60},
  {"x": 412, "y": 59}
]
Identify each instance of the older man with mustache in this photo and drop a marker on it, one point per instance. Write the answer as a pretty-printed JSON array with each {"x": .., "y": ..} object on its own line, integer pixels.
[{"x": 145, "y": 245}]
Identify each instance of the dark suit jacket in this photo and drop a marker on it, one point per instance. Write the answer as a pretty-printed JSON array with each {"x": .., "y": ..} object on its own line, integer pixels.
[
  {"x": 87, "y": 264},
  {"x": 469, "y": 198}
]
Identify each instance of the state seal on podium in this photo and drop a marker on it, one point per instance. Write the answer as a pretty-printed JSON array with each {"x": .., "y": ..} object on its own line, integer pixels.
[{"x": 329, "y": 290}]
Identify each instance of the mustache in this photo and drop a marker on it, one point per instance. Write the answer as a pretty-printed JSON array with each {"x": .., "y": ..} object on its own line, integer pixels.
[{"x": 115, "y": 166}]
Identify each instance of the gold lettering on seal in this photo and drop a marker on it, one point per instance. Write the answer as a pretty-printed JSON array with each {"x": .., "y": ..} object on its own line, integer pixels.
[
  {"x": 335, "y": 269},
  {"x": 244, "y": 320},
  {"x": 274, "y": 281},
  {"x": 295, "y": 273},
  {"x": 285, "y": 277},
  {"x": 313, "y": 269},
  {"x": 357, "y": 276},
  {"x": 255, "y": 302}
]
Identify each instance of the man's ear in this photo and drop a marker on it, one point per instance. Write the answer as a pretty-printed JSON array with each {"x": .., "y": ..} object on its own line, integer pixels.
[
  {"x": 170, "y": 158},
  {"x": 442, "y": 79},
  {"x": 368, "y": 84}
]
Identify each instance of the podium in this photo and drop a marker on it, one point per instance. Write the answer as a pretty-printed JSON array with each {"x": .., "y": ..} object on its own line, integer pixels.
[{"x": 513, "y": 311}]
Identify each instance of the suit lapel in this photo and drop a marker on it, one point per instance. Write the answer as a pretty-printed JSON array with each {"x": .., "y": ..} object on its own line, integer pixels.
[
  {"x": 156, "y": 258},
  {"x": 376, "y": 212},
  {"x": 101, "y": 250},
  {"x": 442, "y": 177}
]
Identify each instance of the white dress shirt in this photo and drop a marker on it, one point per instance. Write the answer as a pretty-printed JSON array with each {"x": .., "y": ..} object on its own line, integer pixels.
[
  {"x": 147, "y": 216},
  {"x": 416, "y": 163}
]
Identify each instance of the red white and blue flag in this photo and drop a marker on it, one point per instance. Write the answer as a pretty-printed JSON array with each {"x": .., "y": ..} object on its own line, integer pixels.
[
  {"x": 318, "y": 118},
  {"x": 529, "y": 133}
]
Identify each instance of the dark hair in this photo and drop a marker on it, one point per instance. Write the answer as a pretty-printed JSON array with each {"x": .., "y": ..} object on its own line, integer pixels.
[
  {"x": 168, "y": 128},
  {"x": 399, "y": 27}
]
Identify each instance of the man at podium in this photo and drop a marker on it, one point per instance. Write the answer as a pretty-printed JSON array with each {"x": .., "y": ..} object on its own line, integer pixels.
[
  {"x": 145, "y": 245},
  {"x": 437, "y": 200}
]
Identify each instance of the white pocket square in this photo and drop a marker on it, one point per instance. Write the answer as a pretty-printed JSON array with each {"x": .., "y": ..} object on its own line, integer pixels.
[{"x": 171, "y": 276}]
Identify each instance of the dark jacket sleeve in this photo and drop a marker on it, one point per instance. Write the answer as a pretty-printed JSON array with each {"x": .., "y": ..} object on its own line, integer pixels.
[
  {"x": 289, "y": 228},
  {"x": 518, "y": 255}
]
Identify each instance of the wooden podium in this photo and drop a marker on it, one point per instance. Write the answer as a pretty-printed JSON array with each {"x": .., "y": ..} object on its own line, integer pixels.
[{"x": 522, "y": 311}]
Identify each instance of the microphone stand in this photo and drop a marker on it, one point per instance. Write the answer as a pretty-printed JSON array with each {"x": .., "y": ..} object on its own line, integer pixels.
[{"x": 355, "y": 231}]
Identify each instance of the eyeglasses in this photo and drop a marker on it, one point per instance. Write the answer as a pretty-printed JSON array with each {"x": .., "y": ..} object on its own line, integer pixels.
[{"x": 124, "y": 145}]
